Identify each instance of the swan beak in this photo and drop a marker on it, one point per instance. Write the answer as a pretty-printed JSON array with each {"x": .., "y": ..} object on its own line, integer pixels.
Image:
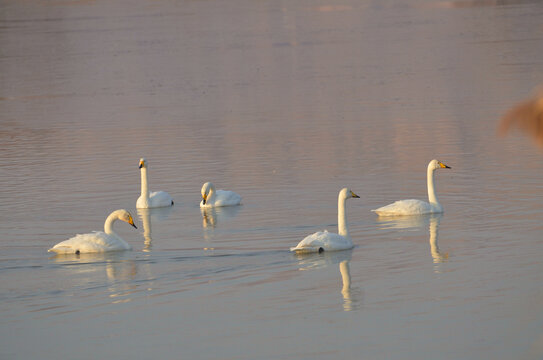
[
  {"x": 141, "y": 164},
  {"x": 204, "y": 199},
  {"x": 131, "y": 222},
  {"x": 354, "y": 195},
  {"x": 444, "y": 166}
]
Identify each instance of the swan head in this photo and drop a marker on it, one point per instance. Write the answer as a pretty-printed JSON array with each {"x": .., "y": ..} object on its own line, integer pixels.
[
  {"x": 206, "y": 189},
  {"x": 125, "y": 216},
  {"x": 436, "y": 164},
  {"x": 143, "y": 163},
  {"x": 347, "y": 193}
]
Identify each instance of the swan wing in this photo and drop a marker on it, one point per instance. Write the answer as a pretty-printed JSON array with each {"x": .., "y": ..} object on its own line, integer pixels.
[
  {"x": 95, "y": 242},
  {"x": 406, "y": 207},
  {"x": 160, "y": 199},
  {"x": 323, "y": 241},
  {"x": 227, "y": 198}
]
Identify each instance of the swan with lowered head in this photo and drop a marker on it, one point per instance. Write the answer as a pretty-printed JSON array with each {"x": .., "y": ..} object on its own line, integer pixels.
[
  {"x": 325, "y": 241},
  {"x": 151, "y": 199},
  {"x": 98, "y": 241},
  {"x": 212, "y": 197},
  {"x": 413, "y": 206}
]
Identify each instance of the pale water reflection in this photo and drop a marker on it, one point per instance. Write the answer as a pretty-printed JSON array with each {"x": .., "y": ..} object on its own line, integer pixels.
[
  {"x": 284, "y": 102},
  {"x": 145, "y": 215},
  {"x": 415, "y": 223},
  {"x": 118, "y": 270},
  {"x": 352, "y": 296},
  {"x": 437, "y": 254},
  {"x": 212, "y": 216}
]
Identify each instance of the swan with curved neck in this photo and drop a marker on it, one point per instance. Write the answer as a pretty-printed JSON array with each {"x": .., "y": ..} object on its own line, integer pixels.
[
  {"x": 413, "y": 206},
  {"x": 97, "y": 242},
  {"x": 149, "y": 199},
  {"x": 212, "y": 197},
  {"x": 325, "y": 241}
]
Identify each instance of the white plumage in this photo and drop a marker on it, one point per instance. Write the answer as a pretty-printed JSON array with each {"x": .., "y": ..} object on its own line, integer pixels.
[
  {"x": 149, "y": 199},
  {"x": 414, "y": 206},
  {"x": 326, "y": 241},
  {"x": 99, "y": 241},
  {"x": 212, "y": 197}
]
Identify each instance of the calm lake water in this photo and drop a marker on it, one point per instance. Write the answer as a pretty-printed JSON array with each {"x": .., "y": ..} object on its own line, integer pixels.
[{"x": 285, "y": 102}]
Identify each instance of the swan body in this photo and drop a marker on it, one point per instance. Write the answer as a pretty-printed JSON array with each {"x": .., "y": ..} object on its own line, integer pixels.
[
  {"x": 212, "y": 197},
  {"x": 414, "y": 206},
  {"x": 149, "y": 199},
  {"x": 98, "y": 241},
  {"x": 326, "y": 241}
]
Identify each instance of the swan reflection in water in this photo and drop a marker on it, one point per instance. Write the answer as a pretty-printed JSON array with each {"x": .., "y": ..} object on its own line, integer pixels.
[
  {"x": 145, "y": 216},
  {"x": 119, "y": 267},
  {"x": 312, "y": 261},
  {"x": 412, "y": 223},
  {"x": 212, "y": 216},
  {"x": 437, "y": 255}
]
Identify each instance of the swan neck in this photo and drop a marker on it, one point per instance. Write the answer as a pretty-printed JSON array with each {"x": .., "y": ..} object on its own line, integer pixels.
[
  {"x": 211, "y": 196},
  {"x": 108, "y": 226},
  {"x": 343, "y": 230},
  {"x": 144, "y": 184},
  {"x": 432, "y": 198}
]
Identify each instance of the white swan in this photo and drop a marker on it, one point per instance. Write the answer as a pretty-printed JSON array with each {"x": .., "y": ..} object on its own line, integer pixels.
[
  {"x": 154, "y": 199},
  {"x": 98, "y": 241},
  {"x": 325, "y": 241},
  {"x": 413, "y": 206},
  {"x": 212, "y": 197}
]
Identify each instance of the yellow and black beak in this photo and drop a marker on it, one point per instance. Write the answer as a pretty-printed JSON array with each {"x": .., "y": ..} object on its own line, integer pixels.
[
  {"x": 204, "y": 199},
  {"x": 444, "y": 166},
  {"x": 131, "y": 222},
  {"x": 354, "y": 195},
  {"x": 142, "y": 164}
]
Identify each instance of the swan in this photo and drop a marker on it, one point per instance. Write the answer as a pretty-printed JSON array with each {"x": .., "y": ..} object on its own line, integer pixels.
[
  {"x": 413, "y": 206},
  {"x": 98, "y": 241},
  {"x": 212, "y": 197},
  {"x": 154, "y": 199},
  {"x": 325, "y": 241}
]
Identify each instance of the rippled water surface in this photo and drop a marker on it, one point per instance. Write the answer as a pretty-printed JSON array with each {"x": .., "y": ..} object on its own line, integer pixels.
[{"x": 285, "y": 102}]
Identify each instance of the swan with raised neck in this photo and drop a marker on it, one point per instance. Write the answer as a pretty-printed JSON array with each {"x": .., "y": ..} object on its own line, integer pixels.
[
  {"x": 326, "y": 241},
  {"x": 414, "y": 206},
  {"x": 149, "y": 199}
]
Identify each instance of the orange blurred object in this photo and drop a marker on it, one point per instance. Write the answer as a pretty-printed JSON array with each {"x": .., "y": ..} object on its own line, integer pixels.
[{"x": 526, "y": 116}]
